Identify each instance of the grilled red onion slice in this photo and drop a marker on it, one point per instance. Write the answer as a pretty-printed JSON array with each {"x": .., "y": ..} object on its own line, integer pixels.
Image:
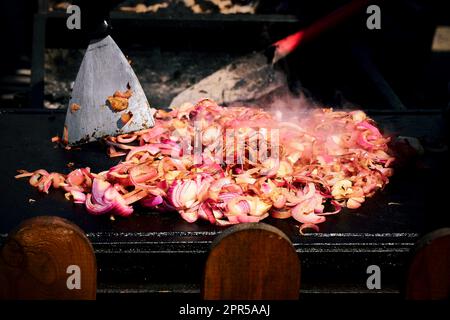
[{"x": 325, "y": 158}]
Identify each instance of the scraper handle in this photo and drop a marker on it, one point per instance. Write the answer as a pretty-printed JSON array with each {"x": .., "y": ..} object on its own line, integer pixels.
[
  {"x": 285, "y": 46},
  {"x": 94, "y": 18}
]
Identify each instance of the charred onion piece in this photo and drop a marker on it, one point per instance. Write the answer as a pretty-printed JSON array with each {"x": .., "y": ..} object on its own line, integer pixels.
[
  {"x": 119, "y": 101},
  {"x": 65, "y": 138},
  {"x": 74, "y": 107},
  {"x": 126, "y": 117}
]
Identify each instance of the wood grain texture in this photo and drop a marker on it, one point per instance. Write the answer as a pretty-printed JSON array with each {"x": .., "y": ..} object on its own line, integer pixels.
[
  {"x": 252, "y": 261},
  {"x": 429, "y": 272},
  {"x": 35, "y": 257}
]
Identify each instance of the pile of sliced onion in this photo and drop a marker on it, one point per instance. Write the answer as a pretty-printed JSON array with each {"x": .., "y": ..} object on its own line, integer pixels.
[{"x": 326, "y": 159}]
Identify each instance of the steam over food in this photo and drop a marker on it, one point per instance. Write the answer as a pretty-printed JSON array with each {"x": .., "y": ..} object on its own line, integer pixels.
[{"x": 236, "y": 164}]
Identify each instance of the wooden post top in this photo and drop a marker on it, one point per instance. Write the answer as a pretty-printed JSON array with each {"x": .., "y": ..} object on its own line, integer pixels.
[
  {"x": 429, "y": 273},
  {"x": 47, "y": 258},
  {"x": 252, "y": 261}
]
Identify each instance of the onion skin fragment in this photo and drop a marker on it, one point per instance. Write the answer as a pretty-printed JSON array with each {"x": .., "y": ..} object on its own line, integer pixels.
[
  {"x": 308, "y": 226},
  {"x": 300, "y": 215},
  {"x": 278, "y": 214}
]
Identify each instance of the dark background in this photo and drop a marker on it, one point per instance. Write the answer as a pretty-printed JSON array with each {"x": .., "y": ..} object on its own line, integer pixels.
[{"x": 174, "y": 48}]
